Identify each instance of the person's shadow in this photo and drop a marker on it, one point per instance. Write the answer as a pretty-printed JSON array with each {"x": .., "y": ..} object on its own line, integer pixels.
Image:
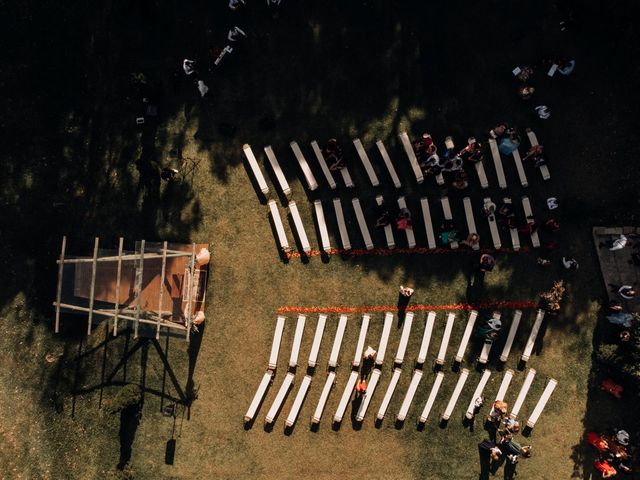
[
  {"x": 403, "y": 301},
  {"x": 509, "y": 471},
  {"x": 485, "y": 465}
]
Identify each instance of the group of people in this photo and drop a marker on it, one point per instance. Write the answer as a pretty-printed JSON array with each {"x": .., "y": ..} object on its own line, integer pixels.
[{"x": 613, "y": 452}]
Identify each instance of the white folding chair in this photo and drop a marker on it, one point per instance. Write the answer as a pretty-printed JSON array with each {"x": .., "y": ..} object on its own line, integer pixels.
[
  {"x": 342, "y": 227},
  {"x": 426, "y": 338},
  {"x": 362, "y": 223},
  {"x": 428, "y": 225},
  {"x": 255, "y": 168},
  {"x": 466, "y": 335},
  {"x": 431, "y": 399},
  {"x": 497, "y": 161},
  {"x": 456, "y": 394},
  {"x": 544, "y": 398},
  {"x": 408, "y": 398},
  {"x": 277, "y": 222},
  {"x": 366, "y": 162},
  {"x": 445, "y": 338},
  {"x": 304, "y": 166},
  {"x": 408, "y": 148},
  {"x": 384, "y": 338},
  {"x": 477, "y": 393},
  {"x": 322, "y": 226},
  {"x": 282, "y": 180},
  {"x": 323, "y": 165},
  {"x": 302, "y": 235},
  {"x": 387, "y": 162}
]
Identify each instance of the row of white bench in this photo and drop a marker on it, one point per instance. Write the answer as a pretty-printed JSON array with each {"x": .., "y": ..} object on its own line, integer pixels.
[
  {"x": 345, "y": 240},
  {"x": 399, "y": 359}
]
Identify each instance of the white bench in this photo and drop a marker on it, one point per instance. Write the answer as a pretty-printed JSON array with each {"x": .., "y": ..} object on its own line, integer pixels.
[
  {"x": 411, "y": 239},
  {"x": 404, "y": 338},
  {"x": 361, "y": 338},
  {"x": 504, "y": 385},
  {"x": 456, "y": 393},
  {"x": 384, "y": 338},
  {"x": 486, "y": 347},
  {"x": 284, "y": 185},
  {"x": 408, "y": 148},
  {"x": 515, "y": 239},
  {"x": 446, "y": 210},
  {"x": 388, "y": 229},
  {"x": 304, "y": 166},
  {"x": 368, "y": 394},
  {"x": 362, "y": 223},
  {"x": 512, "y": 334},
  {"x": 366, "y": 162},
  {"x": 277, "y": 222},
  {"x": 477, "y": 392},
  {"x": 431, "y": 399},
  {"x": 426, "y": 337},
  {"x": 445, "y": 338},
  {"x": 302, "y": 235},
  {"x": 337, "y": 341},
  {"x": 526, "y": 205},
  {"x": 408, "y": 398},
  {"x": 277, "y": 402},
  {"x": 523, "y": 393},
  {"x": 346, "y": 177},
  {"x": 388, "y": 394},
  {"x": 387, "y": 162},
  {"x": 520, "y": 168},
  {"x": 297, "y": 402},
  {"x": 497, "y": 161},
  {"x": 297, "y": 340},
  {"x": 471, "y": 223},
  {"x": 317, "y": 340},
  {"x": 328, "y": 385},
  {"x": 323, "y": 165},
  {"x": 531, "y": 341},
  {"x": 346, "y": 396},
  {"x": 428, "y": 225},
  {"x": 493, "y": 226},
  {"x": 255, "y": 168},
  {"x": 257, "y": 398},
  {"x": 533, "y": 139},
  {"x": 466, "y": 335},
  {"x": 342, "y": 227},
  {"x": 322, "y": 226},
  {"x": 482, "y": 176},
  {"x": 544, "y": 398},
  {"x": 275, "y": 346}
]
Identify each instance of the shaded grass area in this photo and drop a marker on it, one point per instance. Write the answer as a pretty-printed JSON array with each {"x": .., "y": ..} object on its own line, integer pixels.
[{"x": 77, "y": 165}]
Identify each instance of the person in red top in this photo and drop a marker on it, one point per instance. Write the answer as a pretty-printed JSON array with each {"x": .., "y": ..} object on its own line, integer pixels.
[
  {"x": 605, "y": 468},
  {"x": 361, "y": 387}
]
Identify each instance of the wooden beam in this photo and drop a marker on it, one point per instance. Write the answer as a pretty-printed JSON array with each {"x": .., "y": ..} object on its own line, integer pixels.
[
  {"x": 118, "y": 275},
  {"x": 59, "y": 290},
  {"x": 139, "y": 289},
  {"x": 92, "y": 288},
  {"x": 164, "y": 266},
  {"x": 190, "y": 290},
  {"x": 131, "y": 256}
]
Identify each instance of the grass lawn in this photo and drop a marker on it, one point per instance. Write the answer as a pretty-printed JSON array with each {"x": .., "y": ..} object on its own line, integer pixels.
[{"x": 77, "y": 165}]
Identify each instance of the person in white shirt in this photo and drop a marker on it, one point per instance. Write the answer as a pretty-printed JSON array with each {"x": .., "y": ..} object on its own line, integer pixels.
[{"x": 617, "y": 244}]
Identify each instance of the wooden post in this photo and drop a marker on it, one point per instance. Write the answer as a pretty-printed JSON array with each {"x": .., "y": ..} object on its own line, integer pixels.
[
  {"x": 192, "y": 271},
  {"x": 118, "y": 274},
  {"x": 164, "y": 266},
  {"x": 139, "y": 289},
  {"x": 92, "y": 289},
  {"x": 59, "y": 292},
  {"x": 111, "y": 313}
]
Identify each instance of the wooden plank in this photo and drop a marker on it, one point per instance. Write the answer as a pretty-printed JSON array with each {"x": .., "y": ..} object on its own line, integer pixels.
[
  {"x": 323, "y": 165},
  {"x": 342, "y": 227},
  {"x": 428, "y": 225},
  {"x": 544, "y": 398},
  {"x": 282, "y": 180},
  {"x": 192, "y": 264},
  {"x": 118, "y": 278},
  {"x": 431, "y": 399},
  {"x": 259, "y": 395},
  {"x": 304, "y": 166},
  {"x": 59, "y": 286},
  {"x": 322, "y": 226},
  {"x": 92, "y": 288},
  {"x": 361, "y": 338},
  {"x": 131, "y": 256},
  {"x": 445, "y": 338},
  {"x": 426, "y": 337},
  {"x": 526, "y": 205},
  {"x": 486, "y": 347},
  {"x": 297, "y": 340},
  {"x": 162, "y": 275},
  {"x": 388, "y": 394},
  {"x": 531, "y": 341},
  {"x": 523, "y": 393},
  {"x": 512, "y": 334},
  {"x": 362, "y": 223},
  {"x": 328, "y": 385},
  {"x": 277, "y": 402},
  {"x": 384, "y": 338},
  {"x": 368, "y": 394},
  {"x": 346, "y": 396},
  {"x": 389, "y": 164},
  {"x": 471, "y": 223},
  {"x": 337, "y": 342},
  {"x": 493, "y": 225},
  {"x": 317, "y": 340},
  {"x": 255, "y": 168},
  {"x": 388, "y": 230},
  {"x": 477, "y": 393},
  {"x": 366, "y": 162},
  {"x": 277, "y": 221},
  {"x": 497, "y": 161},
  {"x": 504, "y": 385},
  {"x": 297, "y": 402},
  {"x": 411, "y": 239},
  {"x": 302, "y": 235},
  {"x": 408, "y": 398},
  {"x": 456, "y": 394},
  {"x": 466, "y": 336},
  {"x": 520, "y": 168},
  {"x": 275, "y": 345},
  {"x": 408, "y": 148},
  {"x": 404, "y": 338}
]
